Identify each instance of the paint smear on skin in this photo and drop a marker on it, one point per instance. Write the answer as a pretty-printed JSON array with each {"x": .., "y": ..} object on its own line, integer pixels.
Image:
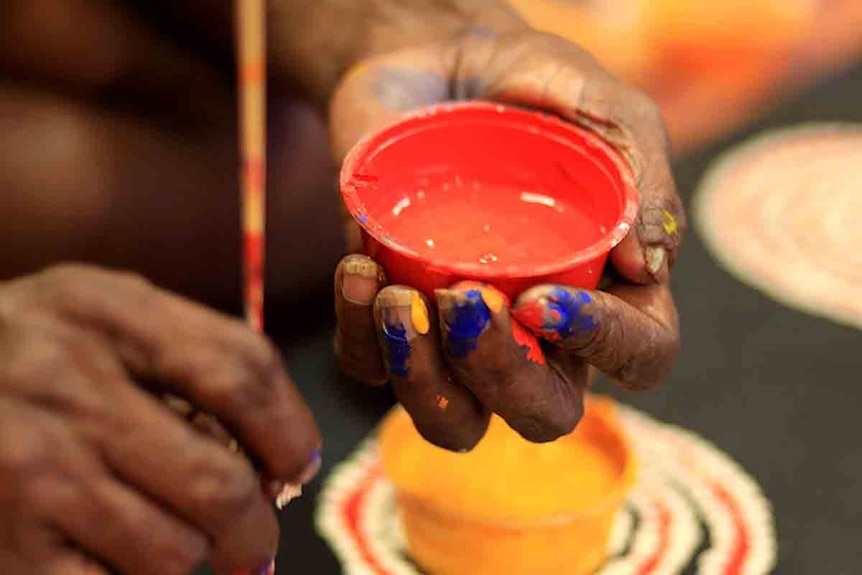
[
  {"x": 668, "y": 222},
  {"x": 403, "y": 89},
  {"x": 419, "y": 315},
  {"x": 399, "y": 348},
  {"x": 442, "y": 402},
  {"x": 525, "y": 339},
  {"x": 465, "y": 322}
]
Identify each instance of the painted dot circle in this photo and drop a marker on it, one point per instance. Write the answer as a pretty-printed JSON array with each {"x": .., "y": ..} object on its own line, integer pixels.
[{"x": 781, "y": 213}]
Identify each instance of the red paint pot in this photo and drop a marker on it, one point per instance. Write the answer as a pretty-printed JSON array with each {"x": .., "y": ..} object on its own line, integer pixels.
[{"x": 478, "y": 191}]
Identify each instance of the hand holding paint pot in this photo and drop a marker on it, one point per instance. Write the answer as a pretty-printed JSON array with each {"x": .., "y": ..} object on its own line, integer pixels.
[{"x": 491, "y": 226}]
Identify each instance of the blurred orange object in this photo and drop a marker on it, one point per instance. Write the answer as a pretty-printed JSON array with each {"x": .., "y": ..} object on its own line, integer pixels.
[
  {"x": 510, "y": 507},
  {"x": 693, "y": 29},
  {"x": 612, "y": 31}
]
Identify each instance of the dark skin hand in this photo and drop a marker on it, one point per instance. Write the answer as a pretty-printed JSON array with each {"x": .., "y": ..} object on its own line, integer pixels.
[
  {"x": 95, "y": 471},
  {"x": 102, "y": 161},
  {"x": 453, "y": 379},
  {"x": 118, "y": 148}
]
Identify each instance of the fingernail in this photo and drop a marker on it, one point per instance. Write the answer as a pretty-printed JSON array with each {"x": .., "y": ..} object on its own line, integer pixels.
[
  {"x": 288, "y": 493},
  {"x": 657, "y": 225},
  {"x": 554, "y": 312},
  {"x": 655, "y": 257},
  {"x": 311, "y": 470},
  {"x": 361, "y": 279},
  {"x": 284, "y": 493},
  {"x": 493, "y": 298},
  {"x": 404, "y": 316},
  {"x": 465, "y": 316}
]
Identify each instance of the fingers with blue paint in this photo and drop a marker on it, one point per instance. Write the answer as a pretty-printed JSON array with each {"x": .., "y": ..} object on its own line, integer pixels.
[
  {"x": 504, "y": 366},
  {"x": 556, "y": 313},
  {"x": 629, "y": 332},
  {"x": 465, "y": 316},
  {"x": 403, "y": 318},
  {"x": 444, "y": 412}
]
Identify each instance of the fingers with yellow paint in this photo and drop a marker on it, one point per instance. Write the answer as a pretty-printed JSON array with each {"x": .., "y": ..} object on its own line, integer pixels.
[{"x": 444, "y": 412}]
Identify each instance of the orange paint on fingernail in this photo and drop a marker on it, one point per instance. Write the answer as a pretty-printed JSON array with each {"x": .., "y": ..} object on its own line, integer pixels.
[
  {"x": 442, "y": 402},
  {"x": 419, "y": 315},
  {"x": 494, "y": 299}
]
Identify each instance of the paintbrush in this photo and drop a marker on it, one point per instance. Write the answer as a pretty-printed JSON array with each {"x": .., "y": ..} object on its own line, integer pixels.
[{"x": 251, "y": 87}]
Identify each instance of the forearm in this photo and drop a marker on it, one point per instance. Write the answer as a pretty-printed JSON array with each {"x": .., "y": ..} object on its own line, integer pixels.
[{"x": 312, "y": 43}]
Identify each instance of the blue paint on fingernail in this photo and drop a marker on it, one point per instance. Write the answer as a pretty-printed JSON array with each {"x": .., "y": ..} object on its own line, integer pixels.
[
  {"x": 465, "y": 322},
  {"x": 363, "y": 219},
  {"x": 566, "y": 314},
  {"x": 399, "y": 347}
]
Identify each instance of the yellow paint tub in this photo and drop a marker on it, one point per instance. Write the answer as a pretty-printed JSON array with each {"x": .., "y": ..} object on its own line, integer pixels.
[{"x": 510, "y": 507}]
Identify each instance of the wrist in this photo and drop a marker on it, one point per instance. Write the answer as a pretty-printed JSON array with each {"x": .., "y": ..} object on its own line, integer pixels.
[{"x": 312, "y": 44}]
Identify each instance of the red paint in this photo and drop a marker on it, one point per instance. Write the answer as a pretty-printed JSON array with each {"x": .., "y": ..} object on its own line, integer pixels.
[
  {"x": 253, "y": 73},
  {"x": 352, "y": 514},
  {"x": 253, "y": 275},
  {"x": 526, "y": 339},
  {"x": 741, "y": 540},
  {"x": 507, "y": 196},
  {"x": 494, "y": 227},
  {"x": 253, "y": 175},
  {"x": 532, "y": 315},
  {"x": 652, "y": 562}
]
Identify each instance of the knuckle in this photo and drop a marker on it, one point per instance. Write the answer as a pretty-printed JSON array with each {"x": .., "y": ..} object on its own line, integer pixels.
[
  {"x": 68, "y": 285},
  {"x": 262, "y": 359},
  {"x": 132, "y": 281},
  {"x": 182, "y": 553},
  {"x": 79, "y": 285},
  {"x": 21, "y": 458},
  {"x": 237, "y": 390},
  {"x": 250, "y": 380},
  {"x": 68, "y": 272},
  {"x": 667, "y": 350},
  {"x": 226, "y": 487},
  {"x": 24, "y": 456},
  {"x": 68, "y": 278}
]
